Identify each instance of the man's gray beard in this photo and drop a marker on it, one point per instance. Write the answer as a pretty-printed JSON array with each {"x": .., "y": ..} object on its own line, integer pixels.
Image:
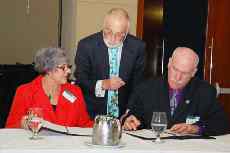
[{"x": 112, "y": 46}]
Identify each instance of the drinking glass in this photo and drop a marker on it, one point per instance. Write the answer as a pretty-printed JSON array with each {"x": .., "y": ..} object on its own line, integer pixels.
[
  {"x": 159, "y": 124},
  {"x": 35, "y": 117}
]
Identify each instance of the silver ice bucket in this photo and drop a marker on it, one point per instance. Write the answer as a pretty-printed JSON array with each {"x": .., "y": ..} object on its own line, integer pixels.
[{"x": 106, "y": 131}]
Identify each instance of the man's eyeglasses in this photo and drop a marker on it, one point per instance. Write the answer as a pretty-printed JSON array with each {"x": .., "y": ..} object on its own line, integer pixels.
[
  {"x": 64, "y": 67},
  {"x": 118, "y": 35},
  {"x": 185, "y": 74}
]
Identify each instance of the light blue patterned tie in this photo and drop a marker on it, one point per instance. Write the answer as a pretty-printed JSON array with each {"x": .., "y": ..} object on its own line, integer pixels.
[{"x": 112, "y": 103}]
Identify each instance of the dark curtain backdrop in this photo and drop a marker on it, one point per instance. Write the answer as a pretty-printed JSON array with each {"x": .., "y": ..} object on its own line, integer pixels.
[
  {"x": 184, "y": 25},
  {"x": 152, "y": 35}
]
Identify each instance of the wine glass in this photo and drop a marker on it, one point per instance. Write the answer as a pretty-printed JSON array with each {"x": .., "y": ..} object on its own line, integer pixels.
[
  {"x": 35, "y": 117},
  {"x": 159, "y": 124}
]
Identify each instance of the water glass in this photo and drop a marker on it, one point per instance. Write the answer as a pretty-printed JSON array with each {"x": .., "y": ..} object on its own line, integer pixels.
[
  {"x": 158, "y": 124},
  {"x": 35, "y": 117}
]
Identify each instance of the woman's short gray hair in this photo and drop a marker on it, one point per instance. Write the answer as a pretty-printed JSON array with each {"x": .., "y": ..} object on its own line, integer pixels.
[{"x": 46, "y": 59}]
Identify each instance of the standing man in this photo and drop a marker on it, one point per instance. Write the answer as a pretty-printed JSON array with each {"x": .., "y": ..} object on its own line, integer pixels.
[
  {"x": 190, "y": 103},
  {"x": 109, "y": 64}
]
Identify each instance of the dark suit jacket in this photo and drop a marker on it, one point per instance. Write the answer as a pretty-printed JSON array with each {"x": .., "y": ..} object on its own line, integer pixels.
[
  {"x": 199, "y": 100},
  {"x": 92, "y": 64}
]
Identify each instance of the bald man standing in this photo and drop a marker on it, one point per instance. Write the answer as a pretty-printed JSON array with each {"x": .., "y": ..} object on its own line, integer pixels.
[
  {"x": 190, "y": 104},
  {"x": 109, "y": 64}
]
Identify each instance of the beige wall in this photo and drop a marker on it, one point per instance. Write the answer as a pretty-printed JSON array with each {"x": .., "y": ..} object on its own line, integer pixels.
[
  {"x": 23, "y": 30},
  {"x": 86, "y": 17},
  {"x": 90, "y": 14}
]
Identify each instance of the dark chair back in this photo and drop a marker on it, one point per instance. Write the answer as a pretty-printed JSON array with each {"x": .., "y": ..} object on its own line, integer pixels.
[{"x": 11, "y": 76}]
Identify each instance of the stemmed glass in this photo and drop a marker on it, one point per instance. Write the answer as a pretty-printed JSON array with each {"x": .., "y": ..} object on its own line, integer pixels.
[
  {"x": 159, "y": 124},
  {"x": 35, "y": 117}
]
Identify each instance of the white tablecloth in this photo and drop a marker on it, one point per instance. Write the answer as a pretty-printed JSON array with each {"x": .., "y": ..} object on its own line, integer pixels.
[{"x": 17, "y": 141}]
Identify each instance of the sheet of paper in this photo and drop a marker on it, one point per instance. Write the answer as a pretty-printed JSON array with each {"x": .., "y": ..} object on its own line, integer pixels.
[
  {"x": 142, "y": 133},
  {"x": 80, "y": 131},
  {"x": 54, "y": 127},
  {"x": 67, "y": 130},
  {"x": 148, "y": 133}
]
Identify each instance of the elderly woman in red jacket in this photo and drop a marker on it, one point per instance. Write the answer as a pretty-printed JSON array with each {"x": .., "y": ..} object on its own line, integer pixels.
[{"x": 62, "y": 103}]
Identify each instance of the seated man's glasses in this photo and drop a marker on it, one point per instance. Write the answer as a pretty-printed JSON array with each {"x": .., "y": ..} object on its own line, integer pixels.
[{"x": 183, "y": 73}]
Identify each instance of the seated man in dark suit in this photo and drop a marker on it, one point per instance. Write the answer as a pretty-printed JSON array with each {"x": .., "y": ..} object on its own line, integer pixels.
[
  {"x": 190, "y": 104},
  {"x": 109, "y": 64}
]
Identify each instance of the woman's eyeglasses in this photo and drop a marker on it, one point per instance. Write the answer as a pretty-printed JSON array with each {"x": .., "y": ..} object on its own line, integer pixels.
[{"x": 64, "y": 67}]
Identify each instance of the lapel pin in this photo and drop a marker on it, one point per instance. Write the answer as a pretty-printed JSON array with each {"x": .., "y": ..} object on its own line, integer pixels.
[{"x": 187, "y": 101}]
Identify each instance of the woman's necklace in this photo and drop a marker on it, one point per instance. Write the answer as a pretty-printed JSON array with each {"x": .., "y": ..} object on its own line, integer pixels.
[
  {"x": 50, "y": 97},
  {"x": 51, "y": 91}
]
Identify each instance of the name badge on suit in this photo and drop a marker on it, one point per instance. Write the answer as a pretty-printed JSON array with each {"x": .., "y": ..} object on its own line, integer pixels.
[{"x": 192, "y": 119}]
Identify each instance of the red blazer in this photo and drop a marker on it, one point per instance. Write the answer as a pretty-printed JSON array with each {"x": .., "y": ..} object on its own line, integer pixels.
[{"x": 67, "y": 113}]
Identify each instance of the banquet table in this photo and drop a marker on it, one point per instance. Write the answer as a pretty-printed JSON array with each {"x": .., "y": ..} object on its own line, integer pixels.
[{"x": 17, "y": 141}]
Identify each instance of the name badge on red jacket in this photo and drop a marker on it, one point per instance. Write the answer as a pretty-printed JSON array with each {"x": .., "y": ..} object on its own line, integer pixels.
[{"x": 69, "y": 96}]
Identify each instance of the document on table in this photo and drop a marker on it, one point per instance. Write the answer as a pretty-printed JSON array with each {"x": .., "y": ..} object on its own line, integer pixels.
[
  {"x": 77, "y": 131},
  {"x": 148, "y": 134}
]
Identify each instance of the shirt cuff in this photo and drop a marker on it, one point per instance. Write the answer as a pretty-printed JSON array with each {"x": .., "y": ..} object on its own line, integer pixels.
[
  {"x": 99, "y": 92},
  {"x": 201, "y": 129}
]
